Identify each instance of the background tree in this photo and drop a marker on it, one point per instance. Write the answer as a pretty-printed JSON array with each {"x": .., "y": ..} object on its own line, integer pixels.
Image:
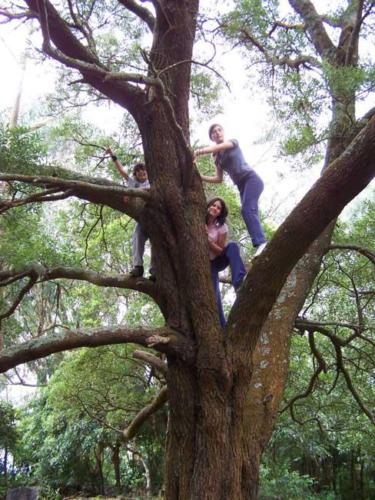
[
  {"x": 223, "y": 403},
  {"x": 74, "y": 435},
  {"x": 8, "y": 441}
]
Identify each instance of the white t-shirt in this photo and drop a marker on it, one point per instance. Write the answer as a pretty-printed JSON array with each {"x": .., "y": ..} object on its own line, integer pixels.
[
  {"x": 214, "y": 231},
  {"x": 134, "y": 183}
]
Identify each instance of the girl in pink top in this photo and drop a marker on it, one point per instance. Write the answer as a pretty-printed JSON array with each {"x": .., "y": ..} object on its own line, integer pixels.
[{"x": 222, "y": 253}]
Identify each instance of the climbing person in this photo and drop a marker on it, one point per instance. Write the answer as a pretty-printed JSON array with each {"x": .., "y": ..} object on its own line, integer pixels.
[
  {"x": 139, "y": 238},
  {"x": 229, "y": 158},
  {"x": 221, "y": 253}
]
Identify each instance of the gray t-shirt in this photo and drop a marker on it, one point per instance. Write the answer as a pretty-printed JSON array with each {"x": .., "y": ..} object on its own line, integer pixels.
[{"x": 232, "y": 161}]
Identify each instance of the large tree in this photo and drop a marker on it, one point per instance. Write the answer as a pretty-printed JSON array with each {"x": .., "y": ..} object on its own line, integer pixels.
[{"x": 222, "y": 400}]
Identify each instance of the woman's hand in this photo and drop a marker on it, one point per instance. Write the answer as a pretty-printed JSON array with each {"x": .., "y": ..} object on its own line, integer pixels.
[{"x": 200, "y": 152}]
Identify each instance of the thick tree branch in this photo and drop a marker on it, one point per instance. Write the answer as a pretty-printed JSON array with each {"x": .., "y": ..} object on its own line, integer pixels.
[
  {"x": 315, "y": 28},
  {"x": 77, "y": 186},
  {"x": 160, "y": 399},
  {"x": 68, "y": 50},
  {"x": 95, "y": 190},
  {"x": 39, "y": 273},
  {"x": 41, "y": 347},
  {"x": 354, "y": 34},
  {"x": 143, "y": 14}
]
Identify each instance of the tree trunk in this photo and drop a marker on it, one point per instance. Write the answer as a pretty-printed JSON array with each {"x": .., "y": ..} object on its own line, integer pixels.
[
  {"x": 115, "y": 457},
  {"x": 5, "y": 462},
  {"x": 99, "y": 468}
]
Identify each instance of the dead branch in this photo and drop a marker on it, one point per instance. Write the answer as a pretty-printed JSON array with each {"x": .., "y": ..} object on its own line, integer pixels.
[
  {"x": 160, "y": 399},
  {"x": 21, "y": 381},
  {"x": 196, "y": 63},
  {"x": 320, "y": 326},
  {"x": 286, "y": 26},
  {"x": 152, "y": 360}
]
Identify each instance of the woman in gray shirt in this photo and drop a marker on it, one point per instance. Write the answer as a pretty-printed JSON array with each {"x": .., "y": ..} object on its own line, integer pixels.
[{"x": 229, "y": 158}]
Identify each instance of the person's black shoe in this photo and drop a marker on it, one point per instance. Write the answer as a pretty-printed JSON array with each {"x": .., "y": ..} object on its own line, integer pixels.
[{"x": 136, "y": 272}]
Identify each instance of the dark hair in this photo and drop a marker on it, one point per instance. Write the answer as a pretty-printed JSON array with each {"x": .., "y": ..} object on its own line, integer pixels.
[
  {"x": 224, "y": 211},
  {"x": 138, "y": 166},
  {"x": 212, "y": 127}
]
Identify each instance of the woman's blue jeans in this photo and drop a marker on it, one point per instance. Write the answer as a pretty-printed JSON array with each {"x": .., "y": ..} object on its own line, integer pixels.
[
  {"x": 230, "y": 256},
  {"x": 250, "y": 190}
]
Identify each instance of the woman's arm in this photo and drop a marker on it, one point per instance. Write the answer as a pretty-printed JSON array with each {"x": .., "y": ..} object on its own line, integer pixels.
[
  {"x": 118, "y": 164},
  {"x": 215, "y": 148},
  {"x": 214, "y": 179}
]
